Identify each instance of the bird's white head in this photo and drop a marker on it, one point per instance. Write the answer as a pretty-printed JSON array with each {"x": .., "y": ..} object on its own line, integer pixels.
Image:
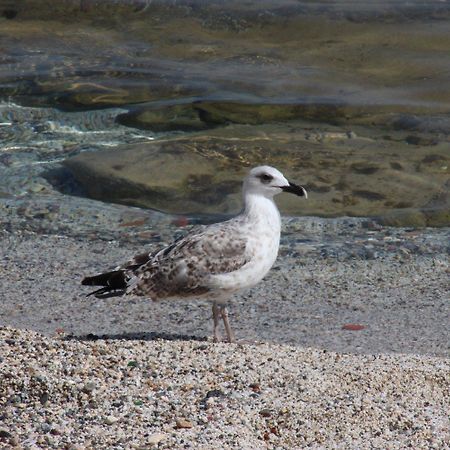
[{"x": 268, "y": 181}]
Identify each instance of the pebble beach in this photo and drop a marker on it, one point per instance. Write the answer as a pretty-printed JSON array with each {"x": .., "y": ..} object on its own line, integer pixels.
[
  {"x": 116, "y": 394},
  {"x": 344, "y": 344}
]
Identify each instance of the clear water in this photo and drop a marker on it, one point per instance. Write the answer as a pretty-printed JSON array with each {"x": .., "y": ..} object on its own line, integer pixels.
[{"x": 377, "y": 69}]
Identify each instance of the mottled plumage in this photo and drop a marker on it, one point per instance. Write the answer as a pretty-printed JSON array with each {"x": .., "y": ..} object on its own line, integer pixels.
[{"x": 214, "y": 261}]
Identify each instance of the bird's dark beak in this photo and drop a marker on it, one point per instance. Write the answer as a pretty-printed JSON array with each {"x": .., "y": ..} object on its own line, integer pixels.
[{"x": 294, "y": 189}]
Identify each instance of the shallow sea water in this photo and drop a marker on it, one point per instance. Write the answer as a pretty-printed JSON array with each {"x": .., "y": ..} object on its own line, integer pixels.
[{"x": 87, "y": 77}]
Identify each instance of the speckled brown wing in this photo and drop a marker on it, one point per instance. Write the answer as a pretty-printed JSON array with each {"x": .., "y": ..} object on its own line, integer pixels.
[{"x": 183, "y": 268}]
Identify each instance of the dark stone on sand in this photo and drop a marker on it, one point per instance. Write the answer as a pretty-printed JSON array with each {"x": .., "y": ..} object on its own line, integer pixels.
[{"x": 4, "y": 434}]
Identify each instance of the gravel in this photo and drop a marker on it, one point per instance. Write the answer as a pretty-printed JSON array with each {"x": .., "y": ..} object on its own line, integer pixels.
[{"x": 186, "y": 394}]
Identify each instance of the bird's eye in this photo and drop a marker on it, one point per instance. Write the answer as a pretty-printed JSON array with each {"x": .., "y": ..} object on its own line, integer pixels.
[{"x": 266, "y": 178}]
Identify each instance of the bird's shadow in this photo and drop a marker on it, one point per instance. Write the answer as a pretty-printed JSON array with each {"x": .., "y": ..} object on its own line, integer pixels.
[{"x": 137, "y": 336}]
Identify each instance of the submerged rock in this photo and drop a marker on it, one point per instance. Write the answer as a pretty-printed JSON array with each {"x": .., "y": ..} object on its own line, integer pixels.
[
  {"x": 216, "y": 112},
  {"x": 200, "y": 115},
  {"x": 183, "y": 117},
  {"x": 168, "y": 175},
  {"x": 344, "y": 172}
]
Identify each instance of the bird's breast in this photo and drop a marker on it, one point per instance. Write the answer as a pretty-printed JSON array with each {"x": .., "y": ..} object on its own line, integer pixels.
[
  {"x": 261, "y": 252},
  {"x": 263, "y": 249}
]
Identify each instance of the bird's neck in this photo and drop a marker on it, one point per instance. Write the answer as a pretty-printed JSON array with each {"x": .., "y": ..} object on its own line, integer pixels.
[{"x": 260, "y": 209}]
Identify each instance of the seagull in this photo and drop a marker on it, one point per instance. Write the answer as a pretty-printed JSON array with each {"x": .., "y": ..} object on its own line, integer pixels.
[{"x": 212, "y": 262}]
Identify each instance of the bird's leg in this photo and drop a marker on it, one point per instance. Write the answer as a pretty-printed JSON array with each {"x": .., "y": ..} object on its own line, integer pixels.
[
  {"x": 224, "y": 314},
  {"x": 216, "y": 312}
]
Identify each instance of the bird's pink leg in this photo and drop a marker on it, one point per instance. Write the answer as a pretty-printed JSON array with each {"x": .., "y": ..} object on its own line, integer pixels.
[
  {"x": 216, "y": 313},
  {"x": 224, "y": 314}
]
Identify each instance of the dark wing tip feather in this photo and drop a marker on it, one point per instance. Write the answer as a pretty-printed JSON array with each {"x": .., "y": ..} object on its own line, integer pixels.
[
  {"x": 115, "y": 279},
  {"x": 88, "y": 281},
  {"x": 106, "y": 292},
  {"x": 98, "y": 292}
]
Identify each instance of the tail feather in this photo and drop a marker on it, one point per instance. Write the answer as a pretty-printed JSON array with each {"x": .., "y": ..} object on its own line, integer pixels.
[
  {"x": 98, "y": 292},
  {"x": 114, "y": 283}
]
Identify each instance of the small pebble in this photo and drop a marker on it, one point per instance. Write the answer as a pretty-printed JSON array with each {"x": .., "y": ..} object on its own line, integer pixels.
[
  {"x": 156, "y": 438},
  {"x": 183, "y": 423},
  {"x": 4, "y": 434},
  {"x": 88, "y": 387},
  {"x": 266, "y": 412},
  {"x": 111, "y": 420},
  {"x": 353, "y": 327}
]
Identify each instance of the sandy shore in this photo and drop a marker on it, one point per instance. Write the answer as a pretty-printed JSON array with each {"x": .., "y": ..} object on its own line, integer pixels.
[{"x": 130, "y": 373}]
